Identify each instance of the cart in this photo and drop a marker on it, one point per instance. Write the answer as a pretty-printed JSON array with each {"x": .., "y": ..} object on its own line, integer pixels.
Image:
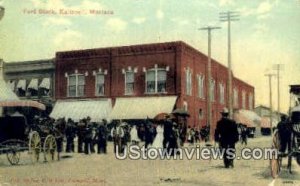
[
  {"x": 17, "y": 136},
  {"x": 294, "y": 127}
]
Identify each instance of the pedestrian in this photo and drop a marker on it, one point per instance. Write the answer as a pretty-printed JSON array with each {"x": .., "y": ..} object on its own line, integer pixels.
[
  {"x": 117, "y": 134},
  {"x": 197, "y": 136},
  {"x": 70, "y": 135},
  {"x": 244, "y": 135},
  {"x": 102, "y": 137},
  {"x": 134, "y": 136},
  {"x": 284, "y": 131},
  {"x": 148, "y": 135},
  {"x": 80, "y": 134},
  {"x": 88, "y": 137},
  {"x": 226, "y": 134}
]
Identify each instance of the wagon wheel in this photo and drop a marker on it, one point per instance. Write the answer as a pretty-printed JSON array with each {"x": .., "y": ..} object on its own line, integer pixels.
[
  {"x": 13, "y": 157},
  {"x": 50, "y": 148},
  {"x": 34, "y": 146},
  {"x": 275, "y": 161}
]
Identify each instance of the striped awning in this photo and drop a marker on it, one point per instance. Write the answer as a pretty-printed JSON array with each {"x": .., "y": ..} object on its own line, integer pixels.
[
  {"x": 80, "y": 109},
  {"x": 142, "y": 107}
]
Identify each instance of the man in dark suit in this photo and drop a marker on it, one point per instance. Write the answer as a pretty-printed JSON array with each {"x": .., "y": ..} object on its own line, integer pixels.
[{"x": 227, "y": 135}]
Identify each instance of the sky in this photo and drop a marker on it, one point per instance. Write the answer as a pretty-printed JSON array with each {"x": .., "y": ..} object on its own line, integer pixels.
[{"x": 267, "y": 33}]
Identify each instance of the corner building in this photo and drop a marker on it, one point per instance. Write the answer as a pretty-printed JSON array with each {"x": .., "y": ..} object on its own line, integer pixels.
[{"x": 140, "y": 81}]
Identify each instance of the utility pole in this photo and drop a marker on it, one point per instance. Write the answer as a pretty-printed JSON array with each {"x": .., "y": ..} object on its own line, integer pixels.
[
  {"x": 271, "y": 105},
  {"x": 228, "y": 17},
  {"x": 278, "y": 68},
  {"x": 209, "y": 112}
]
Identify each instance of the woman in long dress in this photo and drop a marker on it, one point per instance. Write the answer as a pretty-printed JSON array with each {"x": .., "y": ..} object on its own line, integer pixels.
[
  {"x": 134, "y": 136},
  {"x": 158, "y": 140}
]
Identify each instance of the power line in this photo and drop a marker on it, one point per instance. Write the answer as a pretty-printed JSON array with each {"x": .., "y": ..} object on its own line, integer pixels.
[
  {"x": 209, "y": 117},
  {"x": 228, "y": 17}
]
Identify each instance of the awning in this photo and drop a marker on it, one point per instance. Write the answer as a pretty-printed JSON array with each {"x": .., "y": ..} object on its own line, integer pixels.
[
  {"x": 241, "y": 119},
  {"x": 22, "y": 84},
  {"x": 79, "y": 109},
  {"x": 45, "y": 83},
  {"x": 11, "y": 84},
  {"x": 142, "y": 107},
  {"x": 23, "y": 103},
  {"x": 6, "y": 93},
  {"x": 33, "y": 84}
]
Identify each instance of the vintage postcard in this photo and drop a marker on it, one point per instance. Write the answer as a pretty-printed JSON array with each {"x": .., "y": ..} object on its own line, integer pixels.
[{"x": 149, "y": 92}]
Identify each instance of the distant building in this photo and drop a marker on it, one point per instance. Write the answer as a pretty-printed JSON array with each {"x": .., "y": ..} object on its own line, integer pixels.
[
  {"x": 140, "y": 81},
  {"x": 264, "y": 111},
  {"x": 33, "y": 80}
]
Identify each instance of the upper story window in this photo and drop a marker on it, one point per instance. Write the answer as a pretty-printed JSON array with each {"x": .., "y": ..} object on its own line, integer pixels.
[
  {"x": 44, "y": 87},
  {"x": 235, "y": 98},
  {"x": 222, "y": 93},
  {"x": 129, "y": 82},
  {"x": 188, "y": 81},
  {"x": 100, "y": 88},
  {"x": 156, "y": 80},
  {"x": 76, "y": 85},
  {"x": 212, "y": 89},
  {"x": 201, "y": 86},
  {"x": 100, "y": 82},
  {"x": 250, "y": 101},
  {"x": 243, "y": 99}
]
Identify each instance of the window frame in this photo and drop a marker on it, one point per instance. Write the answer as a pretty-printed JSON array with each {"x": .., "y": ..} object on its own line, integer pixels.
[
  {"x": 76, "y": 85},
  {"x": 96, "y": 84},
  {"x": 155, "y": 70}
]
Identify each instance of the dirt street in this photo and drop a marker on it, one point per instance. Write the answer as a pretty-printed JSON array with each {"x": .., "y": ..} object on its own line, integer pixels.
[{"x": 104, "y": 170}]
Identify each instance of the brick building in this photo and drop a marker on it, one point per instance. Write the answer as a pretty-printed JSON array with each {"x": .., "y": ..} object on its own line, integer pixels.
[{"x": 135, "y": 82}]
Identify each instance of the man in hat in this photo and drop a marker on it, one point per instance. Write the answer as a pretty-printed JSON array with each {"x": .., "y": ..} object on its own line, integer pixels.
[
  {"x": 227, "y": 135},
  {"x": 284, "y": 131}
]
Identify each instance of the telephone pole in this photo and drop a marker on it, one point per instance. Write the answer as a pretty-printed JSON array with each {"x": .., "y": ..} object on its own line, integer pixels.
[
  {"x": 208, "y": 89},
  {"x": 271, "y": 105},
  {"x": 228, "y": 17},
  {"x": 278, "y": 68}
]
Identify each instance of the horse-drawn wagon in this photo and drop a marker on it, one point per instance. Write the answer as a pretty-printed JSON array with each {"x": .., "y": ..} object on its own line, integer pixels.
[
  {"x": 293, "y": 126},
  {"x": 16, "y": 136}
]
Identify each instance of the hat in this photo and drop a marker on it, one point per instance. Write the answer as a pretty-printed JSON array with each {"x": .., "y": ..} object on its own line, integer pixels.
[{"x": 225, "y": 111}]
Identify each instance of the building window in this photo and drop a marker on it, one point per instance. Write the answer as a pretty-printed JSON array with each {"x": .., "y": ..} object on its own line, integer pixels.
[
  {"x": 250, "y": 101},
  {"x": 201, "y": 86},
  {"x": 100, "y": 86},
  {"x": 188, "y": 82},
  {"x": 161, "y": 80},
  {"x": 156, "y": 80},
  {"x": 235, "y": 98},
  {"x": 244, "y": 99},
  {"x": 76, "y": 83},
  {"x": 129, "y": 82},
  {"x": 222, "y": 93},
  {"x": 201, "y": 114},
  {"x": 212, "y": 89},
  {"x": 185, "y": 106}
]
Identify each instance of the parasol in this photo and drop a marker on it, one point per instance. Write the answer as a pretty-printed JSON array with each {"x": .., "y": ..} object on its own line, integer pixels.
[
  {"x": 161, "y": 116},
  {"x": 181, "y": 112}
]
